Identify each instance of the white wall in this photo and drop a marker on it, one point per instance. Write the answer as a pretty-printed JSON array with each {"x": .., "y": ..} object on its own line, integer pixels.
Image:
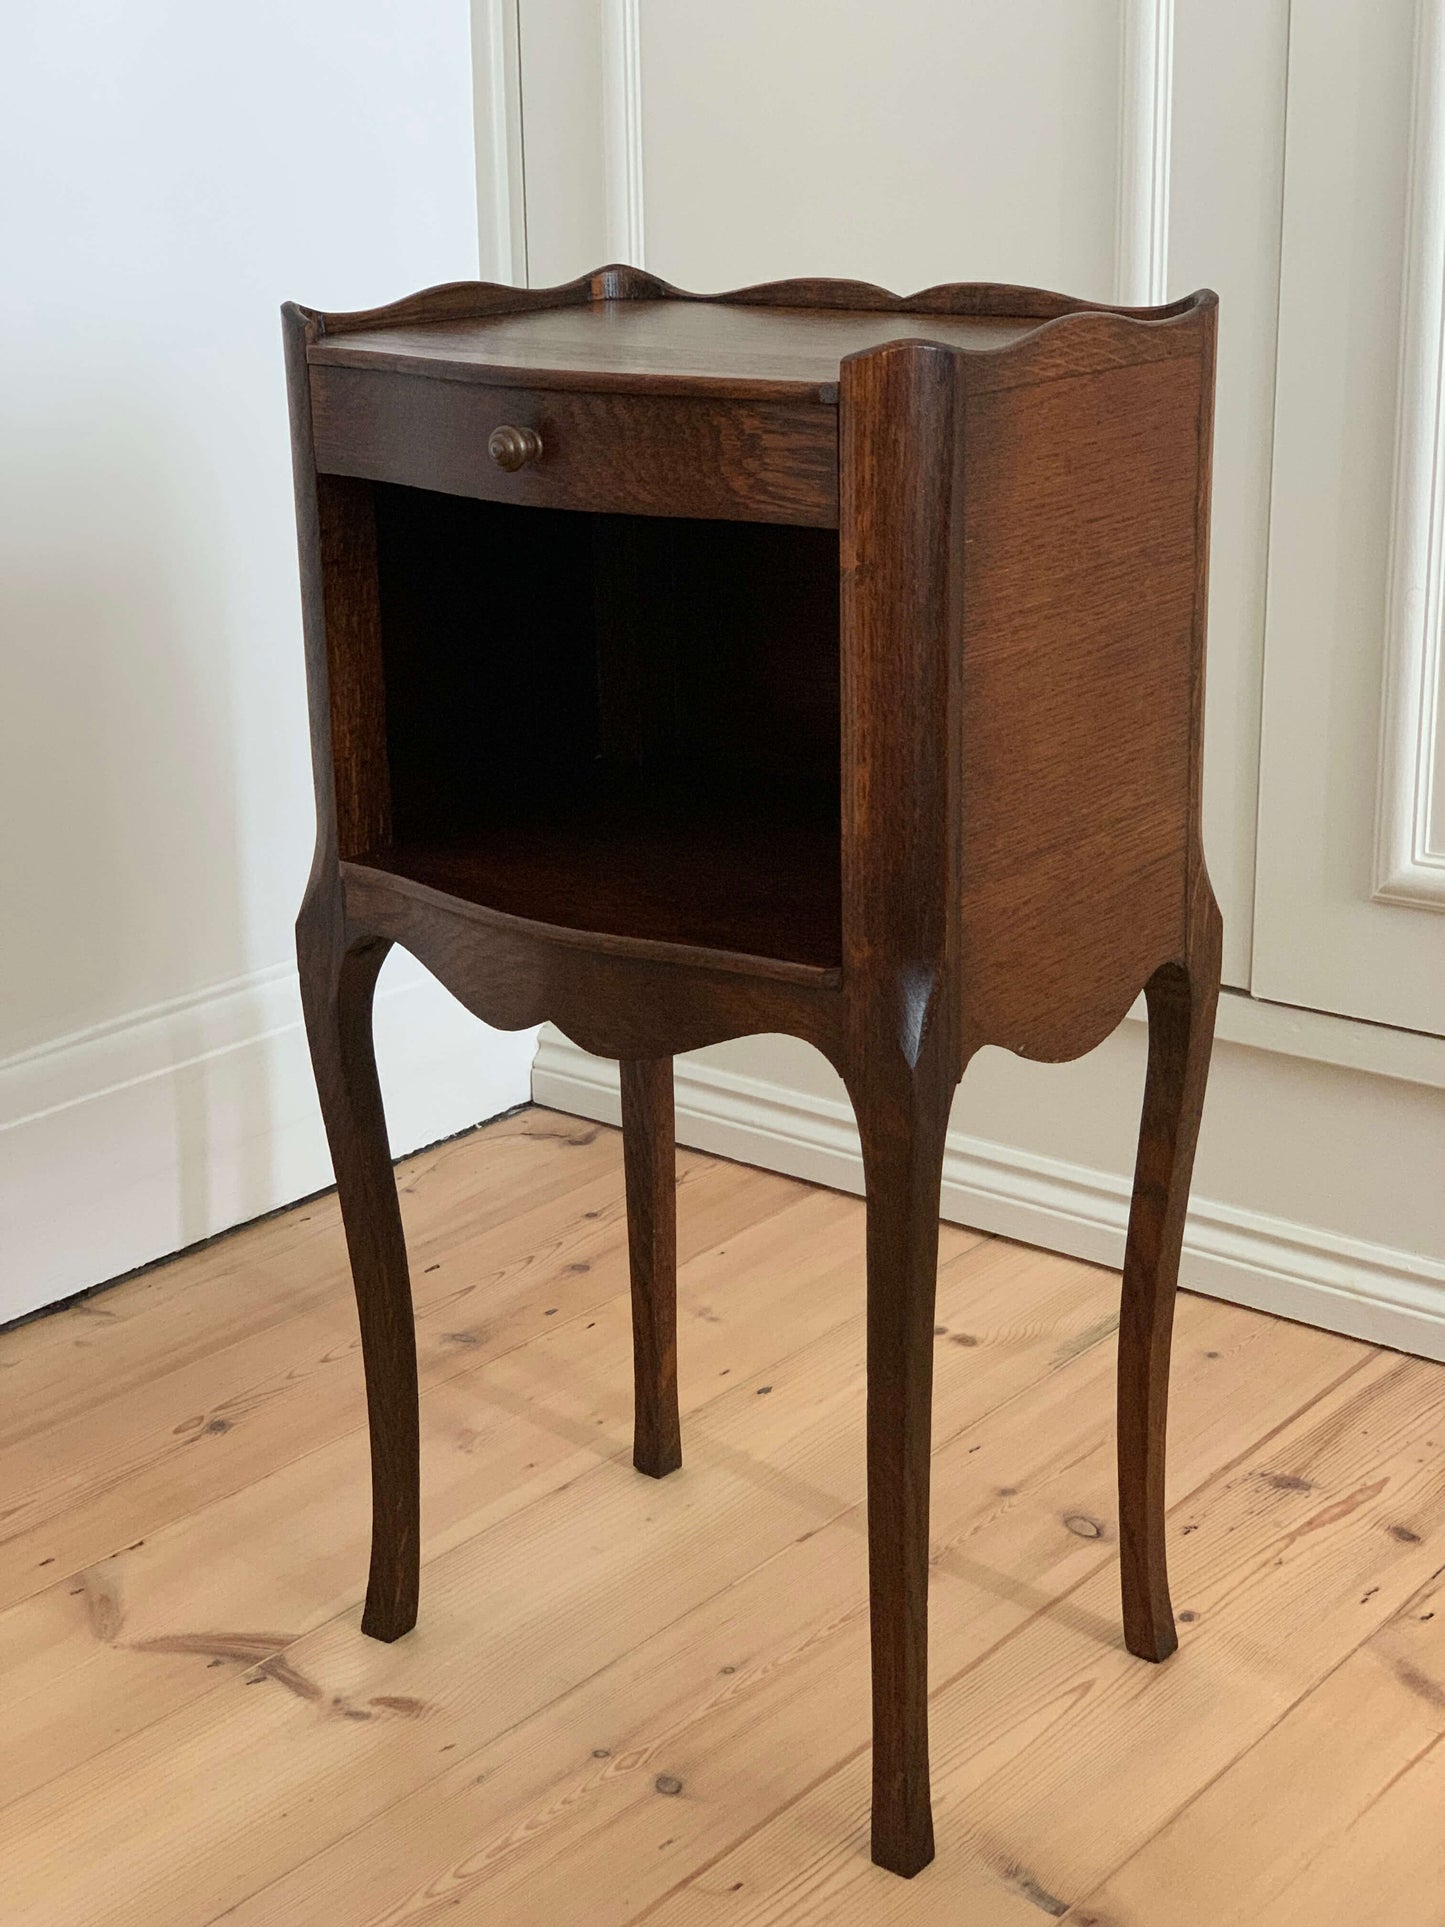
[{"x": 172, "y": 173}]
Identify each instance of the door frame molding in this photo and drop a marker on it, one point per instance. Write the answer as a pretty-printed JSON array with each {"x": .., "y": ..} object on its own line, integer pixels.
[
  {"x": 497, "y": 123},
  {"x": 1408, "y": 870},
  {"x": 622, "y": 130},
  {"x": 1146, "y": 106}
]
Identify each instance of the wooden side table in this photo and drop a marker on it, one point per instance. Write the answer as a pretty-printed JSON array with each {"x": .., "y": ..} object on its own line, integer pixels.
[{"x": 804, "y": 659}]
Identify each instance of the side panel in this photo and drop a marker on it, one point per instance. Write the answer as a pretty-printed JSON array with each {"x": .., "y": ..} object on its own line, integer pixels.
[{"x": 1082, "y": 638}]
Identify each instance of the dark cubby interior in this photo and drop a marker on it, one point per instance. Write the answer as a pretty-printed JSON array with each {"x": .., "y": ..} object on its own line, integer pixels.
[{"x": 623, "y": 724}]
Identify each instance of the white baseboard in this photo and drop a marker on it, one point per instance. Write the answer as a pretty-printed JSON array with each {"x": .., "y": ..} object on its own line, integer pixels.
[
  {"x": 1371, "y": 1291},
  {"x": 127, "y": 1142}
]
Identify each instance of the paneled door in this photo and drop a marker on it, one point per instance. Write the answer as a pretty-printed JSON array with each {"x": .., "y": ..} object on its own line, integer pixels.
[
  {"x": 1351, "y": 871},
  {"x": 1122, "y": 149}
]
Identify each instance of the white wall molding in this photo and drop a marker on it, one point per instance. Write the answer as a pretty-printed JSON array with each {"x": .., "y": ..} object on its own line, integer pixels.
[
  {"x": 1408, "y": 870},
  {"x": 1367, "y": 1290},
  {"x": 1146, "y": 93},
  {"x": 1322, "y": 1037},
  {"x": 622, "y": 130},
  {"x": 123, "y": 1143},
  {"x": 501, "y": 175}
]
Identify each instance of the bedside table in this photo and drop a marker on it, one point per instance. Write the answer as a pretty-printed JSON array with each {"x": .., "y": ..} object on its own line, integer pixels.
[{"x": 804, "y": 659}]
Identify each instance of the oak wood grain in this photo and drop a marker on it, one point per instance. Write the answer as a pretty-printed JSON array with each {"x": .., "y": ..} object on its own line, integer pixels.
[
  {"x": 609, "y": 346},
  {"x": 900, "y": 875},
  {"x": 647, "y": 1142},
  {"x": 608, "y": 453},
  {"x": 338, "y": 978},
  {"x": 1181, "y": 1001},
  {"x": 1077, "y": 687}
]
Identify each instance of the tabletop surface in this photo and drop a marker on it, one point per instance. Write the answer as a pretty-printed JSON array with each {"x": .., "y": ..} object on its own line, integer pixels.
[{"x": 665, "y": 344}]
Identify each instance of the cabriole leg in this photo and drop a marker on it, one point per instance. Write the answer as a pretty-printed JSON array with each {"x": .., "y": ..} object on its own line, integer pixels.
[
  {"x": 336, "y": 992},
  {"x": 1182, "y": 999},
  {"x": 902, "y": 1117}
]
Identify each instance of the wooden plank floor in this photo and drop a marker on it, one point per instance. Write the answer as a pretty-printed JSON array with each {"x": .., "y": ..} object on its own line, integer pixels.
[{"x": 629, "y": 1701}]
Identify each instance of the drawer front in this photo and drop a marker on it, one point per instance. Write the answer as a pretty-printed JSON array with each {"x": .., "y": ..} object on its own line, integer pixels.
[{"x": 739, "y": 461}]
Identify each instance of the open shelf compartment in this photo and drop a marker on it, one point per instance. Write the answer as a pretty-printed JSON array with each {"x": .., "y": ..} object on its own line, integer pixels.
[{"x": 625, "y": 725}]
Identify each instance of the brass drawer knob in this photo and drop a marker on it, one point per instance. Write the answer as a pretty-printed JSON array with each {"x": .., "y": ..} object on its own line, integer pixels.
[{"x": 513, "y": 448}]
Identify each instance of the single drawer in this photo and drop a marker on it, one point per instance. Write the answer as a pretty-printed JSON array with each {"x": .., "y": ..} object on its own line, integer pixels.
[{"x": 737, "y": 461}]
